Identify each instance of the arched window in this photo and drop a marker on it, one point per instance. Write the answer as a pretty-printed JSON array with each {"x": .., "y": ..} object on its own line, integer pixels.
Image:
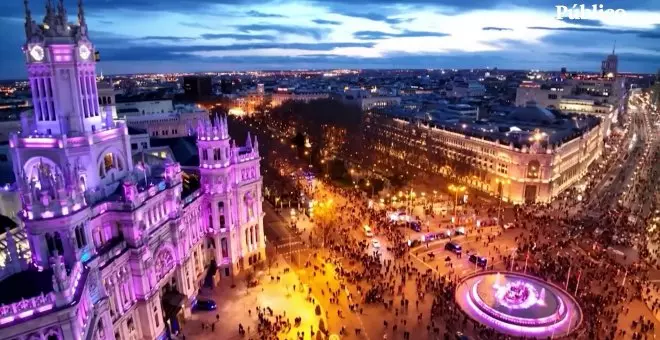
[
  {"x": 50, "y": 243},
  {"x": 156, "y": 316},
  {"x": 58, "y": 243},
  {"x": 78, "y": 240},
  {"x": 109, "y": 161},
  {"x": 533, "y": 169},
  {"x": 221, "y": 212},
  {"x": 224, "y": 246}
]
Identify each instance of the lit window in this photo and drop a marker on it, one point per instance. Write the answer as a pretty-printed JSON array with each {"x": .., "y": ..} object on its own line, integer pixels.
[{"x": 108, "y": 160}]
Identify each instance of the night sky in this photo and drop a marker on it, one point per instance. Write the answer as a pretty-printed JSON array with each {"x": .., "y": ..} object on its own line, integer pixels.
[{"x": 135, "y": 36}]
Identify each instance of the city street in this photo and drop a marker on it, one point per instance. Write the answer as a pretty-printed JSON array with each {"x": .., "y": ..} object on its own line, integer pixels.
[{"x": 362, "y": 283}]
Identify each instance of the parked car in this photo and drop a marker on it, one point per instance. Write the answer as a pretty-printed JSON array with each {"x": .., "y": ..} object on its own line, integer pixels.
[
  {"x": 479, "y": 260},
  {"x": 461, "y": 336},
  {"x": 453, "y": 247},
  {"x": 204, "y": 305},
  {"x": 416, "y": 226},
  {"x": 375, "y": 243}
]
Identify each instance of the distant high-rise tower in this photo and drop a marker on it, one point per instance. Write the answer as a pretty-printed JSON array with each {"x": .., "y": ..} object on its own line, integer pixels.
[
  {"x": 609, "y": 66},
  {"x": 197, "y": 87}
]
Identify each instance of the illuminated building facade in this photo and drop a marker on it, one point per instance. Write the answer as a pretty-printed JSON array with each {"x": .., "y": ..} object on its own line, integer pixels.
[
  {"x": 115, "y": 250},
  {"x": 279, "y": 97},
  {"x": 520, "y": 159}
]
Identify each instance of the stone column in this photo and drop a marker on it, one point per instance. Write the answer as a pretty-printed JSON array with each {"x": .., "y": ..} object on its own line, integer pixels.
[
  {"x": 131, "y": 289},
  {"x": 118, "y": 300}
]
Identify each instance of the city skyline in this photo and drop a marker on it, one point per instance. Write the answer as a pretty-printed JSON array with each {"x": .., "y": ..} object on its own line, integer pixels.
[{"x": 170, "y": 36}]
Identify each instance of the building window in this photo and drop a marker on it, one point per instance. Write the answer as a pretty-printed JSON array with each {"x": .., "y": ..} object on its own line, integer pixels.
[
  {"x": 50, "y": 243},
  {"x": 221, "y": 212},
  {"x": 145, "y": 145},
  {"x": 533, "y": 169},
  {"x": 156, "y": 316},
  {"x": 205, "y": 154},
  {"x": 134, "y": 146},
  {"x": 225, "y": 249},
  {"x": 552, "y": 96},
  {"x": 108, "y": 161}
]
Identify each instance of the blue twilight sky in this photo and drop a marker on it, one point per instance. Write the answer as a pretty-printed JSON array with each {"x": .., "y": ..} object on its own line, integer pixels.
[{"x": 214, "y": 35}]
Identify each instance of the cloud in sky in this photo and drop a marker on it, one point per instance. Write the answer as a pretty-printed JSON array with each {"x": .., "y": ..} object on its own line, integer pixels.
[
  {"x": 199, "y": 35},
  {"x": 238, "y": 36},
  {"x": 257, "y": 14},
  {"x": 377, "y": 35},
  {"x": 326, "y": 22},
  {"x": 492, "y": 28},
  {"x": 313, "y": 32}
]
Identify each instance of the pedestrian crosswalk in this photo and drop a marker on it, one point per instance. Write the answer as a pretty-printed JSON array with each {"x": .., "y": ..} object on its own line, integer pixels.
[{"x": 292, "y": 247}]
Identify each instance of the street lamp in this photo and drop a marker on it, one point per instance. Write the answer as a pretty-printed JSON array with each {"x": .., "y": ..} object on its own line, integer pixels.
[
  {"x": 372, "y": 188},
  {"x": 500, "y": 183},
  {"x": 456, "y": 189}
]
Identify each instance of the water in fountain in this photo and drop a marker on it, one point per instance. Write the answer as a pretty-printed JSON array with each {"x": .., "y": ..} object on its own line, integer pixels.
[
  {"x": 541, "y": 299},
  {"x": 497, "y": 281}
]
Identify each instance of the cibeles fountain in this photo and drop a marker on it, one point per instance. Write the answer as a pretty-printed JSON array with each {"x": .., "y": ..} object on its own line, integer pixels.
[{"x": 518, "y": 304}]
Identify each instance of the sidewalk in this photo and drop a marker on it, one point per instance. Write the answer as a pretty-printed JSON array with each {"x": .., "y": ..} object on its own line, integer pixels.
[{"x": 238, "y": 305}]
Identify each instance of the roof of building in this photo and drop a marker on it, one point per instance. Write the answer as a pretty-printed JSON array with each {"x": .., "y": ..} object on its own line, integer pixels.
[
  {"x": 128, "y": 110},
  {"x": 142, "y": 97},
  {"x": 136, "y": 131},
  {"x": 6, "y": 223},
  {"x": 26, "y": 284},
  {"x": 532, "y": 113},
  {"x": 184, "y": 149},
  {"x": 510, "y": 129}
]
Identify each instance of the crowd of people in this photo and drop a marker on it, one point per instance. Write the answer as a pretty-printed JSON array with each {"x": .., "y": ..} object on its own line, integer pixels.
[{"x": 553, "y": 243}]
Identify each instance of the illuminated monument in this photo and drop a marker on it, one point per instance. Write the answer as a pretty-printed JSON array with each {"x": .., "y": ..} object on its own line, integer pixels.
[
  {"x": 111, "y": 249},
  {"x": 518, "y": 304}
]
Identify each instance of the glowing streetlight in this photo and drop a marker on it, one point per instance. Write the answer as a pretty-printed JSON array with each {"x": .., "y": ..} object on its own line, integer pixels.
[{"x": 456, "y": 189}]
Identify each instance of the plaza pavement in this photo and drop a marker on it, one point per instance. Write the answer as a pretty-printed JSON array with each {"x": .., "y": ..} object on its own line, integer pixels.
[{"x": 235, "y": 303}]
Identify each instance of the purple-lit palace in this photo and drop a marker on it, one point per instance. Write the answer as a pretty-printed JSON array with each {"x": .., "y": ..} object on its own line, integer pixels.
[{"x": 110, "y": 249}]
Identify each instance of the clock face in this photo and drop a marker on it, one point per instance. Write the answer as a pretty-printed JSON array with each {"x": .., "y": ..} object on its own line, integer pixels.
[
  {"x": 84, "y": 51},
  {"x": 37, "y": 53}
]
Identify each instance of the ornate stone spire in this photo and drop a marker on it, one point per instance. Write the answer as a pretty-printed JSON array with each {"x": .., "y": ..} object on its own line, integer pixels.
[
  {"x": 49, "y": 18},
  {"x": 81, "y": 18},
  {"x": 28, "y": 19},
  {"x": 248, "y": 142},
  {"x": 61, "y": 13}
]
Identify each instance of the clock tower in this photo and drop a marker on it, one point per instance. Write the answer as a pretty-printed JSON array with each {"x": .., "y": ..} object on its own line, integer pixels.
[
  {"x": 68, "y": 155},
  {"x": 61, "y": 69}
]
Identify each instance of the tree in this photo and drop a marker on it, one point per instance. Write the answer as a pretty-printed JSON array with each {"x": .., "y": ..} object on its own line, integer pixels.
[{"x": 325, "y": 218}]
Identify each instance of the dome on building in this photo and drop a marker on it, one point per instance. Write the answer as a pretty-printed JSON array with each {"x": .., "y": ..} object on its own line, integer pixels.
[{"x": 532, "y": 113}]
